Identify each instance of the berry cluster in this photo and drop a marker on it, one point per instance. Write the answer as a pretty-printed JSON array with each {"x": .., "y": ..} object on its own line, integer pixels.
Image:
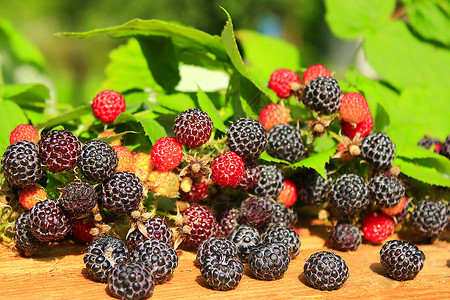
[{"x": 235, "y": 192}]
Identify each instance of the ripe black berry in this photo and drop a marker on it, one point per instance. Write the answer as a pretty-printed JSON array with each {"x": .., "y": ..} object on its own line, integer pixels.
[
  {"x": 158, "y": 256},
  {"x": 213, "y": 245},
  {"x": 401, "y": 259},
  {"x": 103, "y": 254},
  {"x": 130, "y": 281},
  {"x": 282, "y": 215},
  {"x": 78, "y": 199},
  {"x": 322, "y": 95},
  {"x": 247, "y": 138},
  {"x": 156, "y": 228},
  {"x": 122, "y": 193},
  {"x": 285, "y": 142},
  {"x": 326, "y": 270},
  {"x": 251, "y": 176},
  {"x": 228, "y": 220},
  {"x": 345, "y": 237},
  {"x": 26, "y": 242},
  {"x": 311, "y": 187},
  {"x": 48, "y": 221},
  {"x": 378, "y": 149},
  {"x": 21, "y": 164},
  {"x": 430, "y": 217},
  {"x": 97, "y": 161},
  {"x": 269, "y": 261},
  {"x": 283, "y": 235},
  {"x": 256, "y": 211},
  {"x": 270, "y": 183},
  {"x": 193, "y": 127},
  {"x": 245, "y": 238},
  {"x": 348, "y": 195},
  {"x": 59, "y": 150},
  {"x": 221, "y": 271},
  {"x": 387, "y": 190}
]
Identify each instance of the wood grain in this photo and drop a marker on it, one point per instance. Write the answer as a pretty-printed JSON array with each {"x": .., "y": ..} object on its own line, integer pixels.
[{"x": 59, "y": 274}]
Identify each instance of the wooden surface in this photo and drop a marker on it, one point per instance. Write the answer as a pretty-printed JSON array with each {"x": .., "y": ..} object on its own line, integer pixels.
[{"x": 59, "y": 274}]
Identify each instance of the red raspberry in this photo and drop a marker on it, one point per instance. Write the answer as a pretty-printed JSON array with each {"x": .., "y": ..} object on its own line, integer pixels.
[
  {"x": 377, "y": 226},
  {"x": 354, "y": 108},
  {"x": 200, "y": 225},
  {"x": 314, "y": 72},
  {"x": 29, "y": 196},
  {"x": 197, "y": 193},
  {"x": 282, "y": 81},
  {"x": 274, "y": 114},
  {"x": 125, "y": 157},
  {"x": 363, "y": 128},
  {"x": 193, "y": 127},
  {"x": 166, "y": 153},
  {"x": 227, "y": 169},
  {"x": 107, "y": 105},
  {"x": 81, "y": 230},
  {"x": 288, "y": 194},
  {"x": 24, "y": 132}
]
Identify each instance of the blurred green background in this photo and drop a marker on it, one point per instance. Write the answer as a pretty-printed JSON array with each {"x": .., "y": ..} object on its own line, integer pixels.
[{"x": 73, "y": 68}]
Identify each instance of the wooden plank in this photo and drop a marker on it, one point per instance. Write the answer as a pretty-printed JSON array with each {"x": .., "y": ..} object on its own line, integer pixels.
[{"x": 58, "y": 273}]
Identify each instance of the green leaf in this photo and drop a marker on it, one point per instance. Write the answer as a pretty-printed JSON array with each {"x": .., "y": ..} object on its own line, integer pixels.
[
  {"x": 419, "y": 112},
  {"x": 430, "y": 19},
  {"x": 128, "y": 69},
  {"x": 254, "y": 96},
  {"x": 182, "y": 36},
  {"x": 277, "y": 54},
  {"x": 161, "y": 60},
  {"x": 19, "y": 46},
  {"x": 208, "y": 106},
  {"x": 350, "y": 19},
  {"x": 11, "y": 115},
  {"x": 152, "y": 128},
  {"x": 435, "y": 171},
  {"x": 112, "y": 138},
  {"x": 403, "y": 60},
  {"x": 66, "y": 117},
  {"x": 177, "y": 102},
  {"x": 317, "y": 161},
  {"x": 27, "y": 94}
]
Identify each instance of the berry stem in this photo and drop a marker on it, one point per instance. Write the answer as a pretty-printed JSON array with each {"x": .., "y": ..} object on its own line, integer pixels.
[{"x": 167, "y": 215}]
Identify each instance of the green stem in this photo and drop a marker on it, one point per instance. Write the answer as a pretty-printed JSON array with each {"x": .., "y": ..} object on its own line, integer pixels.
[{"x": 166, "y": 214}]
